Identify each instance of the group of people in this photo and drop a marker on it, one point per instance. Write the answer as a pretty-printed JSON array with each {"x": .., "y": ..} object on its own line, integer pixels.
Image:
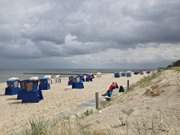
[{"x": 110, "y": 89}]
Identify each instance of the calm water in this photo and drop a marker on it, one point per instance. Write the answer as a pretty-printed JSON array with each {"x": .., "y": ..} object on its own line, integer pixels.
[{"x": 24, "y": 74}]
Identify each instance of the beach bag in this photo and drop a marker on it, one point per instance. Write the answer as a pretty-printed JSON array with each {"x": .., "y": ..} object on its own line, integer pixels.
[{"x": 121, "y": 89}]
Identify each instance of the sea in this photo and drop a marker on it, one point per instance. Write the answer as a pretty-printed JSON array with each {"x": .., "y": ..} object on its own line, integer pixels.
[{"x": 27, "y": 73}]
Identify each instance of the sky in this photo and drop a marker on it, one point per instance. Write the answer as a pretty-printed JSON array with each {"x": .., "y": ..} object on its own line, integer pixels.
[{"x": 89, "y": 33}]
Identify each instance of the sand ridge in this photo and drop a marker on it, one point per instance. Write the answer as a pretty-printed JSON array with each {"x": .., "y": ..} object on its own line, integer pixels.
[{"x": 135, "y": 107}]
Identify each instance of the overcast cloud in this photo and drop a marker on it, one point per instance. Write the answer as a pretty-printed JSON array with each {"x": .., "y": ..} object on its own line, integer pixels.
[{"x": 89, "y": 33}]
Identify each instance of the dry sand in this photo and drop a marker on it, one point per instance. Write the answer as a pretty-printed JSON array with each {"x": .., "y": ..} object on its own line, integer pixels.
[
  {"x": 135, "y": 113},
  {"x": 60, "y": 100}
]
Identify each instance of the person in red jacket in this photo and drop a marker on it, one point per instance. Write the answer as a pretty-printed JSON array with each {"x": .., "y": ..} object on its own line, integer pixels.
[{"x": 113, "y": 86}]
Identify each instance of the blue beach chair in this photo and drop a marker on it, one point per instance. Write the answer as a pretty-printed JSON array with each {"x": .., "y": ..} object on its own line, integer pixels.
[
  {"x": 30, "y": 92},
  {"x": 123, "y": 74},
  {"x": 44, "y": 84},
  {"x": 77, "y": 83},
  {"x": 82, "y": 78},
  {"x": 12, "y": 86}
]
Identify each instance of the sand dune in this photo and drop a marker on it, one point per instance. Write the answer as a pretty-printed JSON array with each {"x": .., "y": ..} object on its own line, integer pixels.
[{"x": 143, "y": 114}]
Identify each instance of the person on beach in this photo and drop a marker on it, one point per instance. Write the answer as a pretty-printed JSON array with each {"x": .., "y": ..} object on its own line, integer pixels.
[{"x": 113, "y": 86}]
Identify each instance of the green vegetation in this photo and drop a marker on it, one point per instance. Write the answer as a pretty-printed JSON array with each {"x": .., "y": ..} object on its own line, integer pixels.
[
  {"x": 155, "y": 125},
  {"x": 142, "y": 83},
  {"x": 88, "y": 112},
  {"x": 62, "y": 127},
  {"x": 147, "y": 80},
  {"x": 174, "y": 64},
  {"x": 37, "y": 127},
  {"x": 176, "y": 69}
]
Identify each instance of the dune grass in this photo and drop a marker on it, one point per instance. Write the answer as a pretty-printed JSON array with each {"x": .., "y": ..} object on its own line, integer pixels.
[
  {"x": 177, "y": 69},
  {"x": 154, "y": 126},
  {"x": 63, "y": 127},
  {"x": 147, "y": 80},
  {"x": 37, "y": 127}
]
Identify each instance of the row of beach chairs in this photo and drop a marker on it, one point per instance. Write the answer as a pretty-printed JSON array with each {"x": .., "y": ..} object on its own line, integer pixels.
[
  {"x": 130, "y": 73},
  {"x": 29, "y": 90},
  {"x": 77, "y": 81},
  {"x": 122, "y": 74}
]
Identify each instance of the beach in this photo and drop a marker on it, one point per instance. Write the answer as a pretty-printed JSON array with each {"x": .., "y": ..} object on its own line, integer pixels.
[
  {"x": 59, "y": 101},
  {"x": 141, "y": 113}
]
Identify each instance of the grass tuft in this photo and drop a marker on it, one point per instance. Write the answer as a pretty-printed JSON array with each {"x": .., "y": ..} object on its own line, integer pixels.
[
  {"x": 37, "y": 127},
  {"x": 177, "y": 69}
]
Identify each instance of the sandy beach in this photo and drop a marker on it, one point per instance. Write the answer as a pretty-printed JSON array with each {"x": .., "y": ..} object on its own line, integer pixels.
[
  {"x": 60, "y": 100},
  {"x": 139, "y": 113},
  {"x": 43, "y": 41}
]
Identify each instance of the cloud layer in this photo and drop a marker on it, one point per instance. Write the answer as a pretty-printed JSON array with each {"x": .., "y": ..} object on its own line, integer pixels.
[{"x": 83, "y": 33}]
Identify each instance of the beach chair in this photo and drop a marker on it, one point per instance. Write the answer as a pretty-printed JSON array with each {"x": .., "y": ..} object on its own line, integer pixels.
[
  {"x": 30, "y": 92},
  {"x": 71, "y": 80},
  {"x": 148, "y": 72},
  {"x": 116, "y": 75},
  {"x": 82, "y": 78},
  {"x": 57, "y": 79},
  {"x": 89, "y": 78},
  {"x": 22, "y": 87},
  {"x": 123, "y": 74},
  {"x": 92, "y": 75},
  {"x": 136, "y": 73},
  {"x": 128, "y": 74},
  {"x": 12, "y": 86},
  {"x": 49, "y": 77},
  {"x": 44, "y": 84},
  {"x": 77, "y": 83}
]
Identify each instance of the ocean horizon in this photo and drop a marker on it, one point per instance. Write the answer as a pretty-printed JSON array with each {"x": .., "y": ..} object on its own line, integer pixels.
[{"x": 26, "y": 73}]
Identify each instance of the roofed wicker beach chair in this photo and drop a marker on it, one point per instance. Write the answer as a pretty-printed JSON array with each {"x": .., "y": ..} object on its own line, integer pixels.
[
  {"x": 13, "y": 86},
  {"x": 128, "y": 74},
  {"x": 30, "y": 92},
  {"x": 117, "y": 75},
  {"x": 45, "y": 83},
  {"x": 77, "y": 83}
]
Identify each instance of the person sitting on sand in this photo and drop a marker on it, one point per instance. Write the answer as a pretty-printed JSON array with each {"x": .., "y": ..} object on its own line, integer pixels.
[
  {"x": 121, "y": 89},
  {"x": 113, "y": 86}
]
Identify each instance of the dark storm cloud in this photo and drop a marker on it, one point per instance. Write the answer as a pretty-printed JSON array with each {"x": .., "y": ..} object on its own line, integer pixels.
[
  {"x": 45, "y": 28},
  {"x": 158, "y": 22}
]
